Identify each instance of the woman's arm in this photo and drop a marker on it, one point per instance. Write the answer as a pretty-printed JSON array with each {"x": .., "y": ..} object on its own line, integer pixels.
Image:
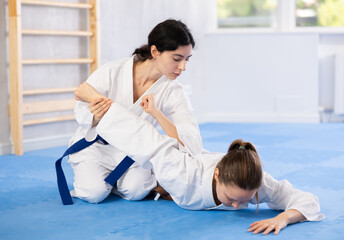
[
  {"x": 99, "y": 81},
  {"x": 281, "y": 195},
  {"x": 177, "y": 108},
  {"x": 98, "y": 104},
  {"x": 149, "y": 107},
  {"x": 86, "y": 93}
]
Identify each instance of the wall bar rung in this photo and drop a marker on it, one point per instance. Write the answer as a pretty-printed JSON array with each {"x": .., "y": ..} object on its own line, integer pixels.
[
  {"x": 57, "y": 61},
  {"x": 48, "y": 106},
  {"x": 56, "y": 32},
  {"x": 48, "y": 91},
  {"x": 48, "y": 120},
  {"x": 57, "y": 4}
]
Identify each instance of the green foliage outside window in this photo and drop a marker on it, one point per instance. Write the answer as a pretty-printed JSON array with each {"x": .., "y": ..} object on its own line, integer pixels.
[
  {"x": 331, "y": 13},
  {"x": 327, "y": 13},
  {"x": 245, "y": 8},
  {"x": 308, "y": 12}
]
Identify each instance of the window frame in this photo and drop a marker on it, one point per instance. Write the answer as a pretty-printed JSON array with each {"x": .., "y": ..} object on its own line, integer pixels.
[{"x": 285, "y": 22}]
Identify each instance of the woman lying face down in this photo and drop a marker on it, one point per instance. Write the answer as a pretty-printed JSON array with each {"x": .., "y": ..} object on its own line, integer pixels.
[{"x": 208, "y": 181}]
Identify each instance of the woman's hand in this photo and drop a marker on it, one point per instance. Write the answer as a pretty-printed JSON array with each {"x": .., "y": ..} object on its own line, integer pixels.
[
  {"x": 148, "y": 105},
  {"x": 99, "y": 107},
  {"x": 277, "y": 223},
  {"x": 86, "y": 93},
  {"x": 272, "y": 224}
]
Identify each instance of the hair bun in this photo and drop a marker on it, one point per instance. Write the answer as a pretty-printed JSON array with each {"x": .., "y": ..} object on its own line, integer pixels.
[{"x": 143, "y": 53}]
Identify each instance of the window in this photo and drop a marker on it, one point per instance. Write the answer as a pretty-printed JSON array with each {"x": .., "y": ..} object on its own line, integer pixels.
[
  {"x": 247, "y": 13},
  {"x": 322, "y": 13},
  {"x": 280, "y": 14}
]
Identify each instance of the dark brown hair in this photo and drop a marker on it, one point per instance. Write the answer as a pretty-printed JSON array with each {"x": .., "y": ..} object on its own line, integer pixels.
[
  {"x": 166, "y": 36},
  {"x": 241, "y": 166}
]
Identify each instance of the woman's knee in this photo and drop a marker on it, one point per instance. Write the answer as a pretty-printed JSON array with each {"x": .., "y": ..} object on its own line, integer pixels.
[
  {"x": 94, "y": 194},
  {"x": 89, "y": 184},
  {"x": 134, "y": 193},
  {"x": 136, "y": 188}
]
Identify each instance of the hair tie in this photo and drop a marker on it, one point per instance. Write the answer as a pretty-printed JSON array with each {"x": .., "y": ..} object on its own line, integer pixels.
[{"x": 242, "y": 147}]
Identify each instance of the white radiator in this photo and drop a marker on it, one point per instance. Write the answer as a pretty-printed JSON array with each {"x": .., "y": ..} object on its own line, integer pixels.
[{"x": 339, "y": 84}]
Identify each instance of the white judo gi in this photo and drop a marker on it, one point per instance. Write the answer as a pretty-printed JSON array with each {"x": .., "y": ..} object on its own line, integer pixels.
[
  {"x": 188, "y": 178},
  {"x": 93, "y": 164}
]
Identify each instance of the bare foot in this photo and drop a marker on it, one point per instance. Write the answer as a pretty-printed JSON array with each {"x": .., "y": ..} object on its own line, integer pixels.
[{"x": 163, "y": 193}]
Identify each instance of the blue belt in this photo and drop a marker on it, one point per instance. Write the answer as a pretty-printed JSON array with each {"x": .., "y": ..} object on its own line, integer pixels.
[{"x": 76, "y": 147}]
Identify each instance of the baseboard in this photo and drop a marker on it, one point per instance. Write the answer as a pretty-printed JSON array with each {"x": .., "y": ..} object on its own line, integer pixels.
[
  {"x": 329, "y": 116},
  {"x": 6, "y": 148},
  {"x": 258, "y": 118},
  {"x": 37, "y": 143}
]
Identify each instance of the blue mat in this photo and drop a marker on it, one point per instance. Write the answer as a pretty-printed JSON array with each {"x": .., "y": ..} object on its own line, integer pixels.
[{"x": 310, "y": 156}]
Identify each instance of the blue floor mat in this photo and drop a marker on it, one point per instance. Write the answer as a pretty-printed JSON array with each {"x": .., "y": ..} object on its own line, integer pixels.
[{"x": 310, "y": 156}]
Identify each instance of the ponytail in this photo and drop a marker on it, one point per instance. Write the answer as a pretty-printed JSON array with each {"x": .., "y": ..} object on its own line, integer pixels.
[
  {"x": 143, "y": 53},
  {"x": 241, "y": 145},
  {"x": 241, "y": 166}
]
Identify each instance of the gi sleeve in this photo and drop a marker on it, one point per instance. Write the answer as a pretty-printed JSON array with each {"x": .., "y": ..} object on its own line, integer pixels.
[
  {"x": 177, "y": 108},
  {"x": 138, "y": 139},
  {"x": 100, "y": 80},
  {"x": 281, "y": 195}
]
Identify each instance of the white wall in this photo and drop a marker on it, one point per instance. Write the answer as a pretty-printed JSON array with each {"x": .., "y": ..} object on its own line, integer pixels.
[
  {"x": 265, "y": 77},
  {"x": 5, "y": 145},
  {"x": 238, "y": 77}
]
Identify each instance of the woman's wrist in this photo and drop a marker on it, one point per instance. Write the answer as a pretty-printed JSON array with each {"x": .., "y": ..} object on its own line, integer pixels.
[
  {"x": 95, "y": 121},
  {"x": 283, "y": 219},
  {"x": 156, "y": 113},
  {"x": 291, "y": 216}
]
